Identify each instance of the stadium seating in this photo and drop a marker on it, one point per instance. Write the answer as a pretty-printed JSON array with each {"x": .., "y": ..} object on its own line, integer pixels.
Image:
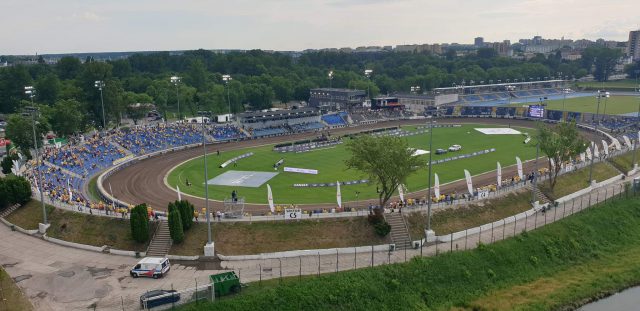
[
  {"x": 307, "y": 126},
  {"x": 268, "y": 131},
  {"x": 333, "y": 119}
]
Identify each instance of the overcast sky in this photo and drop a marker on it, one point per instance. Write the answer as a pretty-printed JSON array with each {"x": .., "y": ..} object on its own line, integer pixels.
[{"x": 59, "y": 26}]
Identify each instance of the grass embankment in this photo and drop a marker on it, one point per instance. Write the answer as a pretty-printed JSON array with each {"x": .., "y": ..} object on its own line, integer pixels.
[
  {"x": 79, "y": 228},
  {"x": 624, "y": 162},
  {"x": 92, "y": 189},
  {"x": 11, "y": 297},
  {"x": 330, "y": 164},
  {"x": 544, "y": 269},
  {"x": 262, "y": 237},
  {"x": 464, "y": 217},
  {"x": 578, "y": 180},
  {"x": 615, "y": 104},
  {"x": 619, "y": 85}
]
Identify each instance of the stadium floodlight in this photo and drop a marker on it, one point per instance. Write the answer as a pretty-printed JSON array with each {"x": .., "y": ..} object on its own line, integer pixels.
[
  {"x": 599, "y": 95},
  {"x": 202, "y": 115},
  {"x": 33, "y": 112},
  {"x": 330, "y": 75},
  {"x": 176, "y": 80},
  {"x": 227, "y": 79},
  {"x": 368, "y": 73},
  {"x": 99, "y": 84}
]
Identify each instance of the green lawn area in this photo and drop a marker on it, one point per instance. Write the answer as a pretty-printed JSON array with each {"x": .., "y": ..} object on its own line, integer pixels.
[
  {"x": 578, "y": 180},
  {"x": 624, "y": 162},
  {"x": 92, "y": 189},
  {"x": 261, "y": 237},
  {"x": 79, "y": 228},
  {"x": 614, "y": 104},
  {"x": 460, "y": 218},
  {"x": 11, "y": 297},
  {"x": 330, "y": 164},
  {"x": 629, "y": 84},
  {"x": 553, "y": 267}
]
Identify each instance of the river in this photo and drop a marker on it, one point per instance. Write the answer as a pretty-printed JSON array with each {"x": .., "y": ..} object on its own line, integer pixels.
[{"x": 626, "y": 300}]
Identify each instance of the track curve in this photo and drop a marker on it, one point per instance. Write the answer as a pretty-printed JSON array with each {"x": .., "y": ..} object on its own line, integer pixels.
[{"x": 143, "y": 182}]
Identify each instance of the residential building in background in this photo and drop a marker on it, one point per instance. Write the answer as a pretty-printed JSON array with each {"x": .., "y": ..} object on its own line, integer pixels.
[{"x": 633, "y": 45}]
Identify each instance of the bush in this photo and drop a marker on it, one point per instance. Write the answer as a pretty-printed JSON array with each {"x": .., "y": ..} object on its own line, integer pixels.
[
  {"x": 382, "y": 229},
  {"x": 175, "y": 223},
  {"x": 140, "y": 223},
  {"x": 186, "y": 210},
  {"x": 14, "y": 189},
  {"x": 7, "y": 163}
]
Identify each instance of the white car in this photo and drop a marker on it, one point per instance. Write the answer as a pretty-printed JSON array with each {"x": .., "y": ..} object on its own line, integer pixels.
[{"x": 455, "y": 148}]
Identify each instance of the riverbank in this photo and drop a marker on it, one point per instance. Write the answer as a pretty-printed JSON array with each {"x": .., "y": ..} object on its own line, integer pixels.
[{"x": 563, "y": 264}]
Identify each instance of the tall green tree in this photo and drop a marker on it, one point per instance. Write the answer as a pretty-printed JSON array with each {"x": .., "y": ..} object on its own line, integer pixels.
[
  {"x": 67, "y": 117},
  {"x": 20, "y": 131},
  {"x": 388, "y": 161},
  {"x": 14, "y": 189},
  {"x": 175, "y": 224},
  {"x": 139, "y": 223},
  {"x": 186, "y": 213},
  {"x": 560, "y": 143}
]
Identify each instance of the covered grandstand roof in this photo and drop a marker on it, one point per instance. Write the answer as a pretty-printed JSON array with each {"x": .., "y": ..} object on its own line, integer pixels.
[
  {"x": 279, "y": 113},
  {"x": 495, "y": 85}
]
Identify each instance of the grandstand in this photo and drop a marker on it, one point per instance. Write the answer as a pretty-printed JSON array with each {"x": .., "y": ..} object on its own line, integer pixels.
[{"x": 502, "y": 93}]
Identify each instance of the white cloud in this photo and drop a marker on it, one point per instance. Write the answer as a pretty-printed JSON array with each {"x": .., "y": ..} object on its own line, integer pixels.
[{"x": 116, "y": 25}]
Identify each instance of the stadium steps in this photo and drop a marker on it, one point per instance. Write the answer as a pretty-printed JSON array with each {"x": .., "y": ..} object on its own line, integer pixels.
[
  {"x": 63, "y": 170},
  {"x": 542, "y": 198},
  {"x": 244, "y": 132},
  {"x": 399, "y": 231},
  {"x": 9, "y": 210},
  {"x": 161, "y": 242},
  {"x": 119, "y": 146}
]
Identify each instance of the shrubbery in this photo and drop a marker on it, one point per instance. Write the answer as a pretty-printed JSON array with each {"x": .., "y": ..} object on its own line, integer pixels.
[
  {"x": 175, "y": 223},
  {"x": 180, "y": 219},
  {"x": 14, "y": 189},
  {"x": 140, "y": 223}
]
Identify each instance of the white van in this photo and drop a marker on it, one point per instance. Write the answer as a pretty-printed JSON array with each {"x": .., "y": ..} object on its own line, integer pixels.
[{"x": 155, "y": 267}]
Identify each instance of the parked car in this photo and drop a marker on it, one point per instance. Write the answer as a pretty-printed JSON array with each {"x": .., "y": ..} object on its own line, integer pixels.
[
  {"x": 455, "y": 148},
  {"x": 155, "y": 267},
  {"x": 441, "y": 151},
  {"x": 158, "y": 297}
]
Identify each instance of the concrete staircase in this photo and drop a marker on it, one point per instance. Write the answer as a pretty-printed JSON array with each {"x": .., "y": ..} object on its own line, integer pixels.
[
  {"x": 399, "y": 231},
  {"x": 9, "y": 210},
  {"x": 541, "y": 197},
  {"x": 161, "y": 242}
]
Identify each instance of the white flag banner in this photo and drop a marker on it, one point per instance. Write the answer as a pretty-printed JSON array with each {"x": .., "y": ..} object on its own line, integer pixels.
[
  {"x": 270, "y": 199},
  {"x": 617, "y": 144},
  {"x": 179, "y": 195},
  {"x": 553, "y": 163},
  {"x": 605, "y": 147},
  {"x": 436, "y": 188},
  {"x": 583, "y": 157},
  {"x": 339, "y": 195},
  {"x": 520, "y": 174},
  {"x": 596, "y": 152},
  {"x": 70, "y": 196},
  {"x": 627, "y": 141},
  {"x": 469, "y": 183},
  {"x": 401, "y": 193},
  {"x": 589, "y": 156},
  {"x": 499, "y": 175}
]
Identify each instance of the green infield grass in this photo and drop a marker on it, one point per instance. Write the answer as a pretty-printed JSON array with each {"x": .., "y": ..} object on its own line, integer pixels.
[
  {"x": 331, "y": 168},
  {"x": 613, "y": 105}
]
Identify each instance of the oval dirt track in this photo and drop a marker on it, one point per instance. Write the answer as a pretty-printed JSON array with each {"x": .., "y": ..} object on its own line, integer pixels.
[{"x": 143, "y": 182}]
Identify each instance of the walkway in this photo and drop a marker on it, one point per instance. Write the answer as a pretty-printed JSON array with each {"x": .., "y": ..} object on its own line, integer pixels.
[{"x": 60, "y": 278}]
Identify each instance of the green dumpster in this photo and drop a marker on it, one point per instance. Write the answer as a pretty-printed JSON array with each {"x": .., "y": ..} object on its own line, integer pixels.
[{"x": 225, "y": 283}]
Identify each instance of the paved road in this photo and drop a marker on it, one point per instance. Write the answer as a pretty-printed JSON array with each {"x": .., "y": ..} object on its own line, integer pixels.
[
  {"x": 144, "y": 181},
  {"x": 55, "y": 277}
]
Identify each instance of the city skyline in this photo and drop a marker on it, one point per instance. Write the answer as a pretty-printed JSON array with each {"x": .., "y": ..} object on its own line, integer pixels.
[{"x": 71, "y": 26}]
